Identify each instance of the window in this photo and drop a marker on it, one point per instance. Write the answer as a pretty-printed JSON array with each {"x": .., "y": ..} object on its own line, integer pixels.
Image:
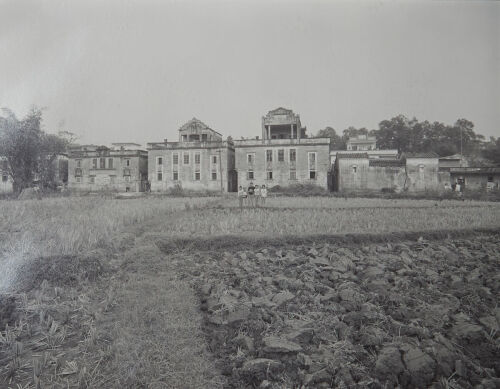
[
  {"x": 250, "y": 175},
  {"x": 126, "y": 172},
  {"x": 269, "y": 155},
  {"x": 175, "y": 159},
  {"x": 110, "y": 163},
  {"x": 214, "y": 159},
  {"x": 293, "y": 175},
  {"x": 197, "y": 158},
  {"x": 197, "y": 176},
  {"x": 250, "y": 158},
  {"x": 490, "y": 179},
  {"x": 127, "y": 162},
  {"x": 159, "y": 176},
  {"x": 159, "y": 160},
  {"x": 5, "y": 165},
  {"x": 354, "y": 148},
  {"x": 354, "y": 169},
  {"x": 78, "y": 179},
  {"x": 269, "y": 175},
  {"x": 312, "y": 165},
  {"x": 94, "y": 163},
  {"x": 175, "y": 176},
  {"x": 204, "y": 137},
  {"x": 184, "y": 138},
  {"x": 92, "y": 179},
  {"x": 112, "y": 179},
  {"x": 102, "y": 163},
  {"x": 214, "y": 176},
  {"x": 78, "y": 172},
  {"x": 293, "y": 155},
  {"x": 281, "y": 155},
  {"x": 421, "y": 168},
  {"x": 186, "y": 158},
  {"x": 5, "y": 178},
  {"x": 78, "y": 163}
]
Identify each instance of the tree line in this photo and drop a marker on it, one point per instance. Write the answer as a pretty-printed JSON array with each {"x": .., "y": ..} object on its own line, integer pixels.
[{"x": 412, "y": 135}]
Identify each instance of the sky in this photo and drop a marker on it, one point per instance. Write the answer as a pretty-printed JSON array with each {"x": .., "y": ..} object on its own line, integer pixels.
[{"x": 135, "y": 71}]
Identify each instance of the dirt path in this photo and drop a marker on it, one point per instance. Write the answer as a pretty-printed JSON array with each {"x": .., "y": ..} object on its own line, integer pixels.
[{"x": 152, "y": 329}]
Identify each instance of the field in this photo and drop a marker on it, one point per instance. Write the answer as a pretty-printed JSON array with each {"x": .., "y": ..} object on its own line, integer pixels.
[{"x": 196, "y": 293}]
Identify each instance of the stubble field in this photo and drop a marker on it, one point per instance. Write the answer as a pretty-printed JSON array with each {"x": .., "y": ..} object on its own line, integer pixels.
[{"x": 196, "y": 293}]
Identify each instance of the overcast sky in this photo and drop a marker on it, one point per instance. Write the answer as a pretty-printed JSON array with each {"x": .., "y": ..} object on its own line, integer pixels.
[{"x": 137, "y": 70}]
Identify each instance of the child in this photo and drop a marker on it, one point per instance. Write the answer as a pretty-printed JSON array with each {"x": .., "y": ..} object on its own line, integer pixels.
[
  {"x": 251, "y": 194},
  {"x": 257, "y": 195},
  {"x": 241, "y": 195},
  {"x": 263, "y": 195}
]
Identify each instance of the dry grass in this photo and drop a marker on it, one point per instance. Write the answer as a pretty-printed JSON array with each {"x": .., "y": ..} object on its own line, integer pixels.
[
  {"x": 139, "y": 325},
  {"x": 267, "y": 222}
]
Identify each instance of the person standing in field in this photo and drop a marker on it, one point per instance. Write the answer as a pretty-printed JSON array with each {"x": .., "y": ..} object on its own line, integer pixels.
[
  {"x": 263, "y": 195},
  {"x": 241, "y": 196},
  {"x": 251, "y": 194},
  {"x": 257, "y": 195}
]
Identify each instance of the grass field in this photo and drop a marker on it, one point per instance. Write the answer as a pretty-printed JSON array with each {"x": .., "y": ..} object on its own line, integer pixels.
[{"x": 89, "y": 285}]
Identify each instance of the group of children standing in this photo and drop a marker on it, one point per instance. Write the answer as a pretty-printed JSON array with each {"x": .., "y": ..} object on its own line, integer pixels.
[{"x": 253, "y": 195}]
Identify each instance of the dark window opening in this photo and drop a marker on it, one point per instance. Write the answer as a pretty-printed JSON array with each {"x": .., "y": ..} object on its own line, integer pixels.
[{"x": 312, "y": 175}]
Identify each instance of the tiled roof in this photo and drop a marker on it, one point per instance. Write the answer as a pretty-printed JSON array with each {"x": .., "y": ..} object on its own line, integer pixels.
[
  {"x": 429, "y": 154},
  {"x": 386, "y": 162},
  {"x": 353, "y": 155}
]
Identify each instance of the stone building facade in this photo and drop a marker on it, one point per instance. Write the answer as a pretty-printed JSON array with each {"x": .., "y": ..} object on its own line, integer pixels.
[
  {"x": 121, "y": 168},
  {"x": 200, "y": 160},
  {"x": 284, "y": 155},
  {"x": 412, "y": 172},
  {"x": 476, "y": 178}
]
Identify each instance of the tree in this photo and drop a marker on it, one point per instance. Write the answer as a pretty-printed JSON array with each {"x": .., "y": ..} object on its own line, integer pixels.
[
  {"x": 336, "y": 143},
  {"x": 29, "y": 151},
  {"x": 492, "y": 151}
]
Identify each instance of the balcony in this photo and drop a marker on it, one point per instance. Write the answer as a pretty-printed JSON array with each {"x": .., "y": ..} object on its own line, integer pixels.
[{"x": 279, "y": 142}]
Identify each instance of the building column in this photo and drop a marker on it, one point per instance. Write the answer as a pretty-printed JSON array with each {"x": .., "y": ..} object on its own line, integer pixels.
[
  {"x": 269, "y": 131},
  {"x": 291, "y": 134}
]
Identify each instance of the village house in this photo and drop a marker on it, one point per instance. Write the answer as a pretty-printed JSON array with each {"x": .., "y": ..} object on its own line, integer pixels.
[
  {"x": 284, "y": 155},
  {"x": 200, "y": 160},
  {"x": 412, "y": 172},
  {"x": 121, "y": 167},
  {"x": 476, "y": 178},
  {"x": 361, "y": 143}
]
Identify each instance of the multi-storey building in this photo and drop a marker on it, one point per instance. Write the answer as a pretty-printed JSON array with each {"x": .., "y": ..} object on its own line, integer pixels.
[
  {"x": 284, "y": 155},
  {"x": 199, "y": 160},
  {"x": 361, "y": 143},
  {"x": 123, "y": 167}
]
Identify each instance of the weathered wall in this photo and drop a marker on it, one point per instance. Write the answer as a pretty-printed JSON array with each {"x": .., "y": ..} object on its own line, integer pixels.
[
  {"x": 108, "y": 178},
  {"x": 186, "y": 176},
  {"x": 358, "y": 174},
  {"x": 422, "y": 174},
  {"x": 349, "y": 178},
  {"x": 281, "y": 169},
  {"x": 477, "y": 181}
]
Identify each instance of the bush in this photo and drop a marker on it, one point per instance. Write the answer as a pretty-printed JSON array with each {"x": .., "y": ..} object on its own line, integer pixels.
[{"x": 303, "y": 190}]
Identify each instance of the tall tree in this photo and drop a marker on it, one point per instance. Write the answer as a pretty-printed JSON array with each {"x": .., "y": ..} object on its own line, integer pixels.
[
  {"x": 29, "y": 151},
  {"x": 336, "y": 142}
]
